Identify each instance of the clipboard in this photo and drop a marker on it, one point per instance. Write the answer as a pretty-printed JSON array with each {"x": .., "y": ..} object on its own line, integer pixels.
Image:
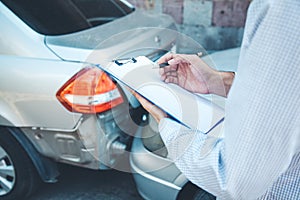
[{"x": 141, "y": 75}]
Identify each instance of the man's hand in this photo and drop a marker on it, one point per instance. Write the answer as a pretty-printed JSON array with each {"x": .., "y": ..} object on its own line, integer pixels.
[
  {"x": 193, "y": 74},
  {"x": 156, "y": 112}
]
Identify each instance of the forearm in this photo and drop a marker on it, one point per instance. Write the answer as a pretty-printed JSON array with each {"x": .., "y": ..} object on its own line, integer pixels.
[
  {"x": 223, "y": 169},
  {"x": 188, "y": 149}
]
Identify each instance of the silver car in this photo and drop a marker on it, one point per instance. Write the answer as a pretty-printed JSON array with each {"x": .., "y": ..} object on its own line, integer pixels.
[
  {"x": 153, "y": 170},
  {"x": 56, "y": 105}
]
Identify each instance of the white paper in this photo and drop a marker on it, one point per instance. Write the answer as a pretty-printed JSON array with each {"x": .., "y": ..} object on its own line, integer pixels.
[{"x": 190, "y": 109}]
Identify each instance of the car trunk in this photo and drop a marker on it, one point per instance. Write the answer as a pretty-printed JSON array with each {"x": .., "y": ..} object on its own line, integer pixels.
[{"x": 138, "y": 33}]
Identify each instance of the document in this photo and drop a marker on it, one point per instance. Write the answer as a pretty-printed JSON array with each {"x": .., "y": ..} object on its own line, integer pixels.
[{"x": 192, "y": 110}]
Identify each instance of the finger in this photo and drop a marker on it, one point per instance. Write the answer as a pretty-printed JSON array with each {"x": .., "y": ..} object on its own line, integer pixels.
[
  {"x": 171, "y": 79},
  {"x": 161, "y": 72},
  {"x": 157, "y": 113},
  {"x": 177, "y": 59},
  {"x": 170, "y": 68},
  {"x": 163, "y": 77},
  {"x": 165, "y": 58},
  {"x": 167, "y": 74},
  {"x": 130, "y": 90},
  {"x": 171, "y": 73},
  {"x": 137, "y": 96},
  {"x": 144, "y": 102}
]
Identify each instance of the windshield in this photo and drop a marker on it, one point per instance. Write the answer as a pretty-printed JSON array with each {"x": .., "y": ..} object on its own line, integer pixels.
[{"x": 56, "y": 17}]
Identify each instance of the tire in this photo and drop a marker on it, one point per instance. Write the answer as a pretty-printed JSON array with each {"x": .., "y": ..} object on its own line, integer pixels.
[
  {"x": 193, "y": 192},
  {"x": 203, "y": 195},
  {"x": 18, "y": 176}
]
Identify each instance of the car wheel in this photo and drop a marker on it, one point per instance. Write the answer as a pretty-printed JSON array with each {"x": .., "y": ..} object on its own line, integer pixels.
[
  {"x": 18, "y": 176},
  {"x": 191, "y": 191},
  {"x": 203, "y": 195}
]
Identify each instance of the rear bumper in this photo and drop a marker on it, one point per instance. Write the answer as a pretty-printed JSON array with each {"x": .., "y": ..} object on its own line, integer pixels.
[
  {"x": 97, "y": 142},
  {"x": 156, "y": 177}
]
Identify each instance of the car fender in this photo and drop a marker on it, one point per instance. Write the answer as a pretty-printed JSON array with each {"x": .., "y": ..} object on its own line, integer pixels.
[
  {"x": 28, "y": 92},
  {"x": 46, "y": 168}
]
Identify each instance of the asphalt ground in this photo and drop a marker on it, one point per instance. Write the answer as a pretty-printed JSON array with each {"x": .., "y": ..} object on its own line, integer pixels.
[{"x": 77, "y": 183}]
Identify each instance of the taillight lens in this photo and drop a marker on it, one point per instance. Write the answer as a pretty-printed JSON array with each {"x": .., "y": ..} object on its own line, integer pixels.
[{"x": 89, "y": 91}]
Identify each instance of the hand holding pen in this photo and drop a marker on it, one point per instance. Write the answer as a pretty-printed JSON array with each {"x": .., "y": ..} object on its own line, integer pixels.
[
  {"x": 164, "y": 64},
  {"x": 188, "y": 71}
]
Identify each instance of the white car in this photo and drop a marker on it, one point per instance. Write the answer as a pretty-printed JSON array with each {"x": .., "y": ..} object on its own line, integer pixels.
[{"x": 56, "y": 105}]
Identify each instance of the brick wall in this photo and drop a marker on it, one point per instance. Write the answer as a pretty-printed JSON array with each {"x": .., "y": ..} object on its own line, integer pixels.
[{"x": 215, "y": 24}]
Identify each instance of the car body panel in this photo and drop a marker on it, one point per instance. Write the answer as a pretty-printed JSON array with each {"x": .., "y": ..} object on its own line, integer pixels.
[
  {"x": 30, "y": 103},
  {"x": 146, "y": 168},
  {"x": 142, "y": 36},
  {"x": 73, "y": 47},
  {"x": 26, "y": 42},
  {"x": 35, "y": 66}
]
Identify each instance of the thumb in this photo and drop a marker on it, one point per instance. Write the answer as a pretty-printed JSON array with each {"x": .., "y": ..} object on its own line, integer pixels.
[{"x": 179, "y": 58}]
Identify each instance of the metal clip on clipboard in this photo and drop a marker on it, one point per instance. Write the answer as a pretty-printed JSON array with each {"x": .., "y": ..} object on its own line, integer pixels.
[{"x": 124, "y": 61}]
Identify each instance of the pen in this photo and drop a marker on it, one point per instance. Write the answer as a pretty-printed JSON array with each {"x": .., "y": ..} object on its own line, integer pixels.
[{"x": 162, "y": 65}]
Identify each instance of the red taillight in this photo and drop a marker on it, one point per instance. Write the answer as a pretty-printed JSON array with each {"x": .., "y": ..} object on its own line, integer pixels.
[{"x": 89, "y": 91}]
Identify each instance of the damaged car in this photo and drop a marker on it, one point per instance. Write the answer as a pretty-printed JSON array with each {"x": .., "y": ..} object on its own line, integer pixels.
[{"x": 56, "y": 104}]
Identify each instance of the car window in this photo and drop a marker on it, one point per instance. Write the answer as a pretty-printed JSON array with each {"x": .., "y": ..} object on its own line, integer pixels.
[{"x": 56, "y": 17}]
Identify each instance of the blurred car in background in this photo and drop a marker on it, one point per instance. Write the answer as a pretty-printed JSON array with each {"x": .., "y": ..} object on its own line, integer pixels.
[
  {"x": 153, "y": 170},
  {"x": 56, "y": 105}
]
